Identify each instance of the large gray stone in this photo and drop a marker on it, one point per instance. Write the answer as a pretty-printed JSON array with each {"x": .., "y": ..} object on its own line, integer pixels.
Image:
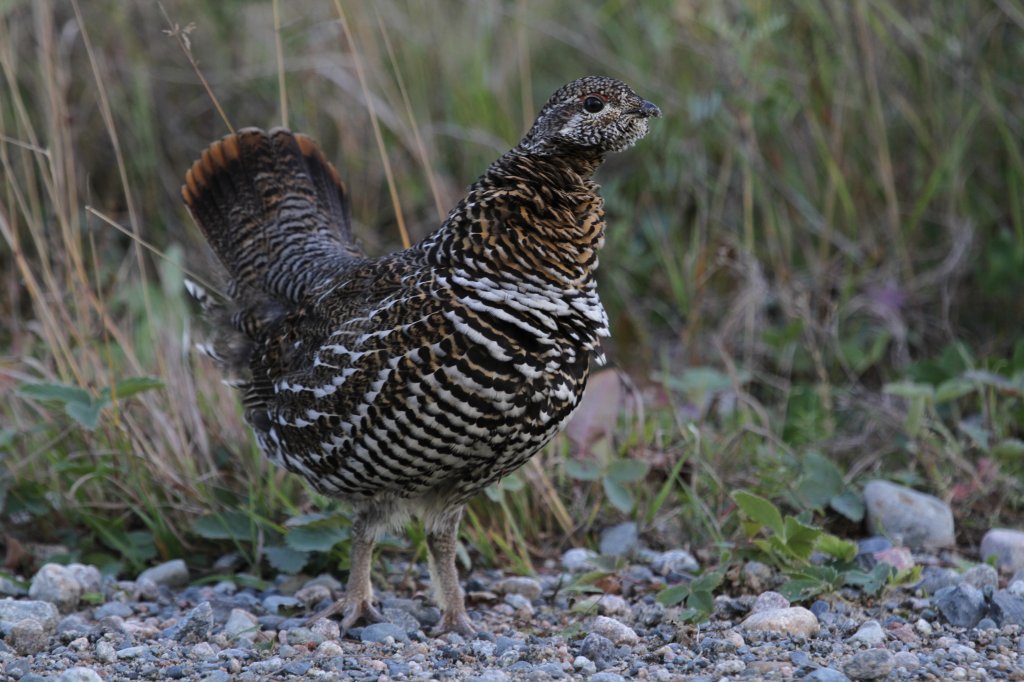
[
  {"x": 795, "y": 620},
  {"x": 172, "y": 573},
  {"x": 963, "y": 605},
  {"x": 56, "y": 584},
  {"x": 1007, "y": 546},
  {"x": 915, "y": 519},
  {"x": 13, "y": 610}
]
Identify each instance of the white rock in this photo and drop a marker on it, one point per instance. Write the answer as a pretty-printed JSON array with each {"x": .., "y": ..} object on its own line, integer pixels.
[
  {"x": 769, "y": 600},
  {"x": 579, "y": 560},
  {"x": 915, "y": 519},
  {"x": 869, "y": 634},
  {"x": 79, "y": 675},
  {"x": 173, "y": 573},
  {"x": 43, "y": 612},
  {"x": 794, "y": 620},
  {"x": 328, "y": 649},
  {"x": 241, "y": 625},
  {"x": 1007, "y": 546},
  {"x": 88, "y": 578},
  {"x": 616, "y": 631},
  {"x": 55, "y": 584},
  {"x": 27, "y": 637},
  {"x": 527, "y": 587},
  {"x": 105, "y": 652}
]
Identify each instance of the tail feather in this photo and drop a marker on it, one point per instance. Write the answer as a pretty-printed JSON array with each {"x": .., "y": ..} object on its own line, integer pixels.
[{"x": 273, "y": 209}]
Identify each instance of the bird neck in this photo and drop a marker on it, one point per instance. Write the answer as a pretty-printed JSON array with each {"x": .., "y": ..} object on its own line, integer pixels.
[{"x": 532, "y": 217}]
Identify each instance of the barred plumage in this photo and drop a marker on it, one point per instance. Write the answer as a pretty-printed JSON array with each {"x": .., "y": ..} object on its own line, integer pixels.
[{"x": 407, "y": 383}]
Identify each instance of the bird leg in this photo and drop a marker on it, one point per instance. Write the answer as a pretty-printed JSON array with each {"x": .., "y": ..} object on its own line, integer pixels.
[
  {"x": 441, "y": 538},
  {"x": 357, "y": 604}
]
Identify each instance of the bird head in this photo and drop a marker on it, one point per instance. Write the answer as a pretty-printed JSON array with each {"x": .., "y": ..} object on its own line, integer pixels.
[{"x": 591, "y": 116}]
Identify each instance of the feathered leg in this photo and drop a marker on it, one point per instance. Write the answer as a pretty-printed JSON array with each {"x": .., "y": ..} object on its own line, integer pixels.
[
  {"x": 357, "y": 604},
  {"x": 442, "y": 532}
]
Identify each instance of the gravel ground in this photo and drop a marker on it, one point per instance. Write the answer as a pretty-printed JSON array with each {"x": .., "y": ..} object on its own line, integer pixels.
[{"x": 530, "y": 629}]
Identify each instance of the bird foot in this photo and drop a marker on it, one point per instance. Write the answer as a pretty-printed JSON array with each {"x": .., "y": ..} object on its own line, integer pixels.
[
  {"x": 454, "y": 621},
  {"x": 352, "y": 610}
]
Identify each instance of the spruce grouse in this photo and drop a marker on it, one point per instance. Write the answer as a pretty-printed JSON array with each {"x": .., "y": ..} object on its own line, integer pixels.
[{"x": 407, "y": 383}]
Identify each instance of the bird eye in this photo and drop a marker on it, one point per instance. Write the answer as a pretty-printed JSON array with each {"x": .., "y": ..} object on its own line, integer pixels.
[{"x": 593, "y": 104}]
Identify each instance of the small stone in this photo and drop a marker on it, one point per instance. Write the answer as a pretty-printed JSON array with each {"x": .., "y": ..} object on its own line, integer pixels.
[
  {"x": 795, "y": 620},
  {"x": 934, "y": 578},
  {"x": 900, "y": 558},
  {"x": 527, "y": 587},
  {"x": 9, "y": 588},
  {"x": 1007, "y": 608},
  {"x": 870, "y": 664},
  {"x": 522, "y": 605},
  {"x": 241, "y": 625},
  {"x": 197, "y": 624},
  {"x": 1007, "y": 546},
  {"x": 962, "y": 605},
  {"x": 607, "y": 676},
  {"x": 579, "y": 560},
  {"x": 987, "y": 624},
  {"x": 132, "y": 652},
  {"x": 113, "y": 608},
  {"x": 917, "y": 520},
  {"x": 325, "y": 628},
  {"x": 906, "y": 660},
  {"x": 1016, "y": 587},
  {"x": 616, "y": 631},
  {"x": 73, "y": 626},
  {"x": 825, "y": 675},
  {"x": 203, "y": 651},
  {"x": 612, "y": 605},
  {"x": 27, "y": 637},
  {"x": 215, "y": 676},
  {"x": 757, "y": 575},
  {"x": 730, "y": 666},
  {"x": 769, "y": 600},
  {"x": 584, "y": 665},
  {"x": 329, "y": 649},
  {"x": 80, "y": 644},
  {"x": 105, "y": 652},
  {"x": 55, "y": 584},
  {"x": 278, "y": 604},
  {"x": 88, "y": 577},
  {"x": 79, "y": 674},
  {"x": 490, "y": 675},
  {"x": 673, "y": 561},
  {"x": 981, "y": 576},
  {"x": 172, "y": 573},
  {"x": 379, "y": 632},
  {"x": 311, "y": 595},
  {"x": 297, "y": 668},
  {"x": 869, "y": 634},
  {"x": 621, "y": 540},
  {"x": 599, "y": 649}
]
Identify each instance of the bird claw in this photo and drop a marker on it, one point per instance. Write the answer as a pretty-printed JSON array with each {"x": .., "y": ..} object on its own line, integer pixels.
[
  {"x": 353, "y": 611},
  {"x": 454, "y": 622}
]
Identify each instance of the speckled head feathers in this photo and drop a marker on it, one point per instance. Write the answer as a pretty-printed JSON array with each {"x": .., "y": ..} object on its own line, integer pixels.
[{"x": 595, "y": 114}]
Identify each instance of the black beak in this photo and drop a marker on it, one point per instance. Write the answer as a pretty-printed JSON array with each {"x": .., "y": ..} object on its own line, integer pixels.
[{"x": 647, "y": 110}]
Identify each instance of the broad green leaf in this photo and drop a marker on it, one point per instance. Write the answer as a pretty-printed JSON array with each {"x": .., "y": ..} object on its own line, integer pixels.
[
  {"x": 229, "y": 525},
  {"x": 759, "y": 509},
  {"x": 132, "y": 385},
  {"x": 627, "y": 470},
  {"x": 286, "y": 559},
  {"x": 952, "y": 389},
  {"x": 909, "y": 390},
  {"x": 849, "y": 504},
  {"x": 511, "y": 483},
  {"x": 618, "y": 495},
  {"x": 582, "y": 470},
  {"x": 61, "y": 393},
  {"x": 820, "y": 480},
  {"x": 799, "y": 589},
  {"x": 707, "y": 582},
  {"x": 702, "y": 601},
  {"x": 871, "y": 582},
  {"x": 993, "y": 380},
  {"x": 315, "y": 538},
  {"x": 86, "y": 414},
  {"x": 671, "y": 596},
  {"x": 843, "y": 550},
  {"x": 799, "y": 537},
  {"x": 308, "y": 519}
]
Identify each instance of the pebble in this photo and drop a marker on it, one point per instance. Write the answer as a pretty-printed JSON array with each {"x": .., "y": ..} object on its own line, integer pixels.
[
  {"x": 527, "y": 587},
  {"x": 906, "y": 660},
  {"x": 54, "y": 583},
  {"x": 170, "y": 573},
  {"x": 13, "y": 610},
  {"x": 916, "y": 519},
  {"x": 27, "y": 637},
  {"x": 241, "y": 625},
  {"x": 621, "y": 540},
  {"x": 1007, "y": 608},
  {"x": 795, "y": 620},
  {"x": 981, "y": 576},
  {"x": 963, "y": 605},
  {"x": 380, "y": 632},
  {"x": 673, "y": 561},
  {"x": 579, "y": 560},
  {"x": 757, "y": 575},
  {"x": 615, "y": 630},
  {"x": 1007, "y": 546},
  {"x": 79, "y": 674},
  {"x": 825, "y": 675},
  {"x": 197, "y": 624},
  {"x": 870, "y": 664},
  {"x": 869, "y": 634},
  {"x": 767, "y": 601}
]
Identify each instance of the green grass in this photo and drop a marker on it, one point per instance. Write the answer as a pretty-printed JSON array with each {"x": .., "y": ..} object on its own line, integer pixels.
[{"x": 832, "y": 205}]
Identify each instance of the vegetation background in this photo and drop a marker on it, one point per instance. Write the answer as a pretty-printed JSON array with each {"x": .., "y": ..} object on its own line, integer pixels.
[{"x": 814, "y": 267}]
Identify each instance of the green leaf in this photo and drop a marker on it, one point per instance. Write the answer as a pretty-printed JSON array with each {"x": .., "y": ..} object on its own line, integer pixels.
[
  {"x": 871, "y": 582},
  {"x": 849, "y": 504},
  {"x": 309, "y": 519},
  {"x": 800, "y": 537},
  {"x": 511, "y": 483},
  {"x": 707, "y": 582},
  {"x": 60, "y": 393},
  {"x": 315, "y": 538},
  {"x": 1009, "y": 449},
  {"x": 86, "y": 414},
  {"x": 286, "y": 559},
  {"x": 952, "y": 389},
  {"x": 759, "y": 509},
  {"x": 909, "y": 390},
  {"x": 843, "y": 550},
  {"x": 229, "y": 525},
  {"x": 132, "y": 385},
  {"x": 701, "y": 601},
  {"x": 627, "y": 470},
  {"x": 799, "y": 589},
  {"x": 670, "y": 596},
  {"x": 620, "y": 496},
  {"x": 582, "y": 470},
  {"x": 820, "y": 480}
]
